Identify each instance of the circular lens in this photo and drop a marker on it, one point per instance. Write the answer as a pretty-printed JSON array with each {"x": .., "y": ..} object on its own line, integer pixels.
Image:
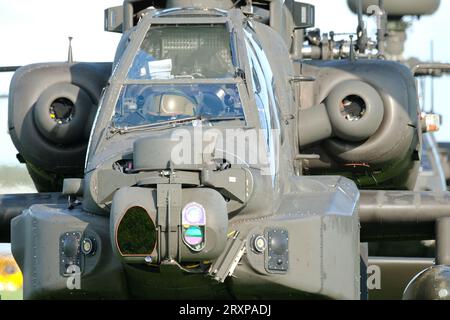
[
  {"x": 259, "y": 244},
  {"x": 193, "y": 236},
  {"x": 194, "y": 214},
  {"x": 62, "y": 110},
  {"x": 353, "y": 108},
  {"x": 88, "y": 246},
  {"x": 136, "y": 234}
]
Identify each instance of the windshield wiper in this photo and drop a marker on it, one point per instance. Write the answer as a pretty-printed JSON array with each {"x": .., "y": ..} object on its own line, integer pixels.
[
  {"x": 217, "y": 119},
  {"x": 122, "y": 130},
  {"x": 163, "y": 124}
]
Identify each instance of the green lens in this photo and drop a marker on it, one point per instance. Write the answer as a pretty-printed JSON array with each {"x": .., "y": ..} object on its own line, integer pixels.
[
  {"x": 193, "y": 236},
  {"x": 136, "y": 234}
]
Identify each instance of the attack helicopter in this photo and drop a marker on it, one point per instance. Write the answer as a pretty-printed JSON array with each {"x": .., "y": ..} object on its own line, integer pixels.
[{"x": 226, "y": 152}]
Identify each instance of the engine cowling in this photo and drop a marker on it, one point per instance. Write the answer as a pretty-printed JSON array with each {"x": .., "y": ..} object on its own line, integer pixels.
[
  {"x": 362, "y": 119},
  {"x": 51, "y": 110}
]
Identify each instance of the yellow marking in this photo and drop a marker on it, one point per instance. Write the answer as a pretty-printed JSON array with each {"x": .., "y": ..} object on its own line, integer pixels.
[
  {"x": 231, "y": 234},
  {"x": 11, "y": 278}
]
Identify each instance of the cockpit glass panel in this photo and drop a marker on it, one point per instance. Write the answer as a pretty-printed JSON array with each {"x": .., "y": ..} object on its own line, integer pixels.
[
  {"x": 184, "y": 52},
  {"x": 142, "y": 104}
]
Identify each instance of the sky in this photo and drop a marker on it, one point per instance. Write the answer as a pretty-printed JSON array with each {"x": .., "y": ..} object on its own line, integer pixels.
[{"x": 34, "y": 31}]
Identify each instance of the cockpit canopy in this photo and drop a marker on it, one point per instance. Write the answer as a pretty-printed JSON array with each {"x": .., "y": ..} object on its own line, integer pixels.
[
  {"x": 181, "y": 72},
  {"x": 189, "y": 52}
]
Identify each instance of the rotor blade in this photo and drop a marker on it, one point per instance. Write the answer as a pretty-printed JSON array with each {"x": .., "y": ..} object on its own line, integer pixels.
[
  {"x": 9, "y": 68},
  {"x": 12, "y": 205}
]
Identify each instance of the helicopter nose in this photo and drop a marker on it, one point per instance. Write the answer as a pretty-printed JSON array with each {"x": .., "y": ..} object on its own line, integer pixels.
[{"x": 152, "y": 225}]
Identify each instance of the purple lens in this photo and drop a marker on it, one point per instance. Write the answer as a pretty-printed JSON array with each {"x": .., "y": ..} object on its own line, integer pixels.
[{"x": 194, "y": 214}]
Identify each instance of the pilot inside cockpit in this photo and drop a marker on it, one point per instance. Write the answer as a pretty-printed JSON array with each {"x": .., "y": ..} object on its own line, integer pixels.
[
  {"x": 141, "y": 104},
  {"x": 173, "y": 105}
]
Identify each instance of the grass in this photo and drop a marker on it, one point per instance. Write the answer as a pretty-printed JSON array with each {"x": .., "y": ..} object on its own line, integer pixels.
[{"x": 15, "y": 295}]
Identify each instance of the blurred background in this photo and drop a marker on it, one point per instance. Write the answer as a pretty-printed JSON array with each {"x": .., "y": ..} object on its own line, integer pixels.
[{"x": 38, "y": 31}]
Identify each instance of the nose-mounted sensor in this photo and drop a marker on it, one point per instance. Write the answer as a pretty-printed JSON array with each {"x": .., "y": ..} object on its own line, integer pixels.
[{"x": 193, "y": 223}]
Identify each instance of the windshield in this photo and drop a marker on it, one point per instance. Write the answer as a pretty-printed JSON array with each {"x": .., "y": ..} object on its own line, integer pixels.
[
  {"x": 189, "y": 51},
  {"x": 142, "y": 104}
]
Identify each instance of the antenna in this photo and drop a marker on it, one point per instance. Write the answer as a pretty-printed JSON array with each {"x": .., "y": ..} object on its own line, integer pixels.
[
  {"x": 351, "y": 55},
  {"x": 70, "y": 54}
]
